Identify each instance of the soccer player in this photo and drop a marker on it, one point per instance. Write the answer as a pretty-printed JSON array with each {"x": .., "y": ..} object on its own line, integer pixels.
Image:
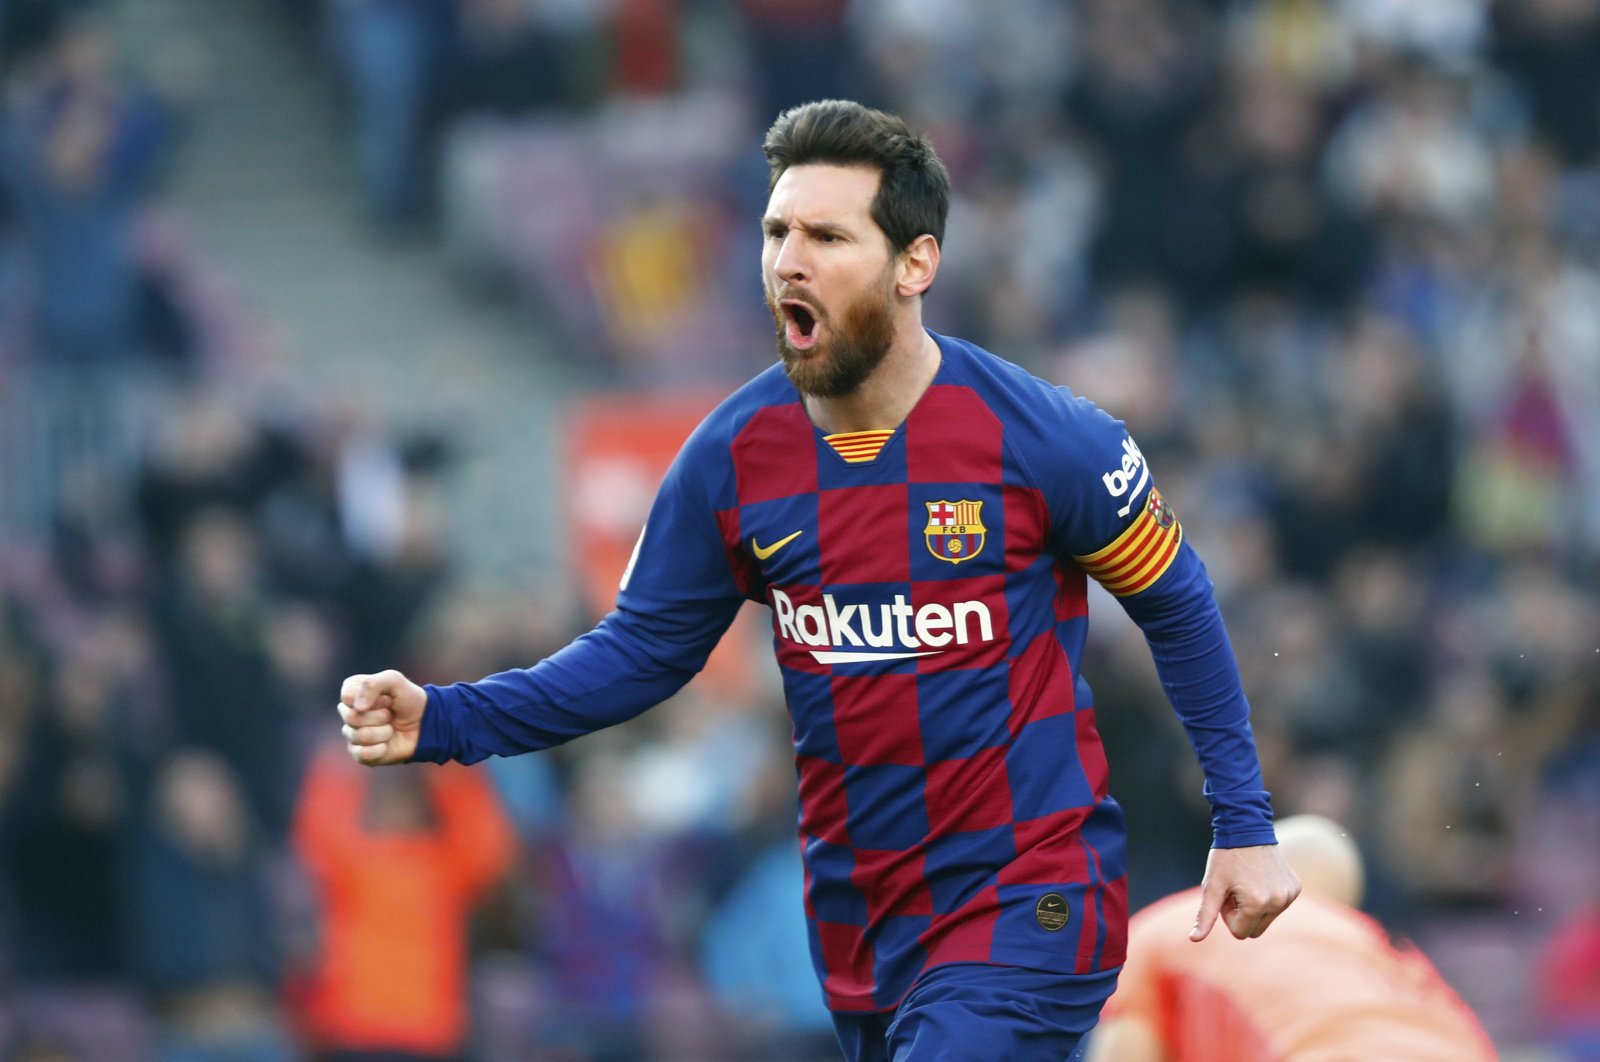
[
  {"x": 1327, "y": 984},
  {"x": 922, "y": 518}
]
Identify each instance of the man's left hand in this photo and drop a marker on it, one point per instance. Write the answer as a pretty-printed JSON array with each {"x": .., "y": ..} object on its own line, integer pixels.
[{"x": 1248, "y": 887}]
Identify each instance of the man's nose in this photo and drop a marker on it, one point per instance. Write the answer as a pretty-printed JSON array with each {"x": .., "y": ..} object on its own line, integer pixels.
[{"x": 791, "y": 265}]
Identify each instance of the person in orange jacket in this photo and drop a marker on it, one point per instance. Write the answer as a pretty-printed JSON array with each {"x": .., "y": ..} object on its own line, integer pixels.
[
  {"x": 427, "y": 843},
  {"x": 1325, "y": 983}
]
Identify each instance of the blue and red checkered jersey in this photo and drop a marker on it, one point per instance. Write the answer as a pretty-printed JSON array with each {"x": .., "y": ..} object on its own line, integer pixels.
[{"x": 929, "y": 612}]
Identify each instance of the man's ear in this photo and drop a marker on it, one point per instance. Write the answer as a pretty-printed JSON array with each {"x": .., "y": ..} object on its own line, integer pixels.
[{"x": 916, "y": 266}]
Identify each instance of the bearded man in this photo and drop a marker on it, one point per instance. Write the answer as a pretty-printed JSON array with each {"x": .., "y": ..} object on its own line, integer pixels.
[{"x": 922, "y": 518}]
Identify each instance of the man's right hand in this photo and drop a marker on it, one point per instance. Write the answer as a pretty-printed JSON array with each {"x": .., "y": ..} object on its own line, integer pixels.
[{"x": 382, "y": 716}]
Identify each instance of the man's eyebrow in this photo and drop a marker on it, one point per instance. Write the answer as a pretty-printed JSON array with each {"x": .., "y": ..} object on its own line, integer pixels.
[
  {"x": 826, "y": 228},
  {"x": 816, "y": 228}
]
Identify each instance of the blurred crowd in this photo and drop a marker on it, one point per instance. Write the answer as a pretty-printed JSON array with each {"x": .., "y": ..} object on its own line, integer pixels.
[{"x": 1337, "y": 262}]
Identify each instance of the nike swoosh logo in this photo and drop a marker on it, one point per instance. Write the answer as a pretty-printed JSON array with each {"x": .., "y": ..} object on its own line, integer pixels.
[{"x": 763, "y": 552}]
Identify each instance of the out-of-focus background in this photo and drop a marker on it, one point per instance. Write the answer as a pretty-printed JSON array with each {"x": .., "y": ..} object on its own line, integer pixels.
[{"x": 345, "y": 334}]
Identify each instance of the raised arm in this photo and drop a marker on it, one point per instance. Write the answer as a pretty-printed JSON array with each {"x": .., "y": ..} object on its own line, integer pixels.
[{"x": 677, "y": 598}]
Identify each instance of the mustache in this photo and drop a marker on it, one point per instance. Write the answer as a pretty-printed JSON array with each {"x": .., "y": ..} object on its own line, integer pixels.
[{"x": 800, "y": 295}]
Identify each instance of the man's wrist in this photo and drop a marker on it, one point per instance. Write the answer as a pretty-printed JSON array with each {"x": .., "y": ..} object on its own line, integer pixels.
[
  {"x": 1243, "y": 838},
  {"x": 435, "y": 737}
]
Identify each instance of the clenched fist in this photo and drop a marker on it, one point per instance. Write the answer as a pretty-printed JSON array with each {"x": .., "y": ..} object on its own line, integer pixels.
[{"x": 382, "y": 716}]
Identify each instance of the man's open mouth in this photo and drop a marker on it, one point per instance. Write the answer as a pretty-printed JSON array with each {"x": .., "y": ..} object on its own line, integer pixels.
[{"x": 800, "y": 324}]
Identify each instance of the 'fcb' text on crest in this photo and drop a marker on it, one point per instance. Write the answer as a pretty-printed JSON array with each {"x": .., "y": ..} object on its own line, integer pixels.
[{"x": 955, "y": 530}]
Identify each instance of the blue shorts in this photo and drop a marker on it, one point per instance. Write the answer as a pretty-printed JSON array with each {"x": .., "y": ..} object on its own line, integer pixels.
[{"x": 976, "y": 1012}]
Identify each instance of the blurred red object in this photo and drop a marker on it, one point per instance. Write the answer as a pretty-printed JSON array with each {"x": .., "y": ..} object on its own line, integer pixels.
[
  {"x": 399, "y": 857},
  {"x": 618, "y": 449}
]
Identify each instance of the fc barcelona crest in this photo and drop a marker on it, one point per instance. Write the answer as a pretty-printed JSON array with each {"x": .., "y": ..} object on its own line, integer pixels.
[
  {"x": 955, "y": 530},
  {"x": 1160, "y": 510}
]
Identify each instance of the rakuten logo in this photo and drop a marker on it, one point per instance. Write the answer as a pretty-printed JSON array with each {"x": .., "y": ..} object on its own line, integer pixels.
[{"x": 900, "y": 627}]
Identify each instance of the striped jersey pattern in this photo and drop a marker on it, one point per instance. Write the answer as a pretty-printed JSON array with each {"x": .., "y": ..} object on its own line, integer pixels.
[
  {"x": 858, "y": 447},
  {"x": 1141, "y": 554}
]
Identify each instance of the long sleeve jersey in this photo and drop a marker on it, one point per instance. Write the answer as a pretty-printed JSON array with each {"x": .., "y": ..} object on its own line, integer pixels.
[{"x": 929, "y": 611}]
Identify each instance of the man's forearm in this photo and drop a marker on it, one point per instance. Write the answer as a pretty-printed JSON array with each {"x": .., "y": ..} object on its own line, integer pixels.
[
  {"x": 1196, "y": 665},
  {"x": 603, "y": 678}
]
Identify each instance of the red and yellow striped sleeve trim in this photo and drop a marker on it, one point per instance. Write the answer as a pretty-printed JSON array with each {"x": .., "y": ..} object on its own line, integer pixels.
[
  {"x": 857, "y": 447},
  {"x": 1138, "y": 556}
]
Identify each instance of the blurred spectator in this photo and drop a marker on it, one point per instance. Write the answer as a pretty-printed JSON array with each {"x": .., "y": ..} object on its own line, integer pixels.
[
  {"x": 1382, "y": 600},
  {"x": 1308, "y": 682},
  {"x": 646, "y": 42},
  {"x": 505, "y": 62},
  {"x": 1452, "y": 796},
  {"x": 64, "y": 825},
  {"x": 26, "y": 26},
  {"x": 754, "y": 948},
  {"x": 606, "y": 895},
  {"x": 304, "y": 552},
  {"x": 1525, "y": 372},
  {"x": 758, "y": 963},
  {"x": 95, "y": 550},
  {"x": 79, "y": 145},
  {"x": 209, "y": 453},
  {"x": 1143, "y": 79},
  {"x": 205, "y": 936},
  {"x": 1553, "y": 49},
  {"x": 389, "y": 52},
  {"x": 302, "y": 644},
  {"x": 75, "y": 725},
  {"x": 1413, "y": 152},
  {"x": 1445, "y": 31},
  {"x": 799, "y": 51},
  {"x": 1389, "y": 405},
  {"x": 1560, "y": 875},
  {"x": 211, "y": 617},
  {"x": 1023, "y": 291},
  {"x": 393, "y": 522},
  {"x": 424, "y": 846}
]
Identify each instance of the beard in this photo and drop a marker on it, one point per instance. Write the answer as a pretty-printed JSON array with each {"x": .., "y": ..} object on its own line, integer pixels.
[{"x": 850, "y": 348}]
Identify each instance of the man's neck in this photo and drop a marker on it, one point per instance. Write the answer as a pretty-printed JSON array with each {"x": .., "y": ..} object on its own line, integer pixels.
[{"x": 885, "y": 398}]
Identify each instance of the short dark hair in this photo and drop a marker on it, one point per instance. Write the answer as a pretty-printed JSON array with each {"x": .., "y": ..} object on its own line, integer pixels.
[{"x": 914, "y": 187}]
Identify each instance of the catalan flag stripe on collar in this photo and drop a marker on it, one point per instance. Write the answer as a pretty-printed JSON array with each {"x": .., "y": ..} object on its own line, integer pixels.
[
  {"x": 857, "y": 447},
  {"x": 1138, "y": 556}
]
